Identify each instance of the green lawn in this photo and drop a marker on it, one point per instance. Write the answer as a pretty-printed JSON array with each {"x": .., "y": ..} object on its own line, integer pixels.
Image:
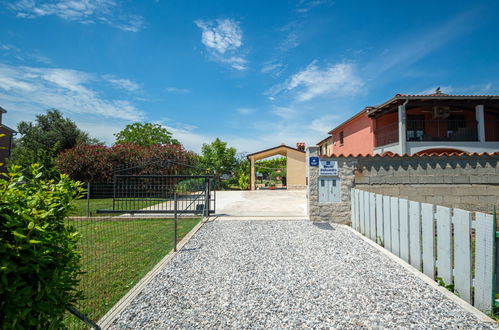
[
  {"x": 116, "y": 255},
  {"x": 101, "y": 204}
]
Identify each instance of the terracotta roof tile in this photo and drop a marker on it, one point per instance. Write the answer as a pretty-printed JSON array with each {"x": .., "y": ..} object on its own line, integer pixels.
[{"x": 437, "y": 154}]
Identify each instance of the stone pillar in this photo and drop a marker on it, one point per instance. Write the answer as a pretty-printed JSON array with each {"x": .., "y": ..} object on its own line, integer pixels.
[
  {"x": 338, "y": 212},
  {"x": 402, "y": 130},
  {"x": 252, "y": 175},
  {"x": 312, "y": 189},
  {"x": 480, "y": 119}
]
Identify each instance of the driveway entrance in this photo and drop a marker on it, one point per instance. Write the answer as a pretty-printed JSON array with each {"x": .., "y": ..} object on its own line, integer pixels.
[
  {"x": 288, "y": 275},
  {"x": 262, "y": 203}
]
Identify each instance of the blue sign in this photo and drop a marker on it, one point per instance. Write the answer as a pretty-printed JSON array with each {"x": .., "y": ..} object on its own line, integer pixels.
[{"x": 314, "y": 161}]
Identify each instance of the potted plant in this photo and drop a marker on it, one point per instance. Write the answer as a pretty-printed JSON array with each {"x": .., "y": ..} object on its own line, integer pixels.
[{"x": 272, "y": 186}]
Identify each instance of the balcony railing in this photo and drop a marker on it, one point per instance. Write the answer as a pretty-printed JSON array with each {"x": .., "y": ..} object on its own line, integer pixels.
[
  {"x": 442, "y": 130},
  {"x": 429, "y": 130}
]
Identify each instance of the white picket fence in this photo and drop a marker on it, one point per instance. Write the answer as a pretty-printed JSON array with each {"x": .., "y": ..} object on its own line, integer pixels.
[{"x": 436, "y": 240}]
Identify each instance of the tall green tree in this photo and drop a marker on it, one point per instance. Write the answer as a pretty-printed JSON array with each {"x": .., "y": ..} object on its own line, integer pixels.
[
  {"x": 40, "y": 142},
  {"x": 219, "y": 158},
  {"x": 145, "y": 134}
]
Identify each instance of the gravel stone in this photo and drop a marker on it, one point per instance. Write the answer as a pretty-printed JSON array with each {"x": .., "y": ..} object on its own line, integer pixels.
[{"x": 287, "y": 274}]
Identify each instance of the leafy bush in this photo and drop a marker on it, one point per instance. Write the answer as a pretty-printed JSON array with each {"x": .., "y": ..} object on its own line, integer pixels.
[
  {"x": 96, "y": 163},
  {"x": 39, "y": 264},
  {"x": 243, "y": 181}
]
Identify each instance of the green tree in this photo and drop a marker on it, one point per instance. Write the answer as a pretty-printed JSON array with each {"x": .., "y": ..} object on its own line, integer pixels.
[
  {"x": 219, "y": 158},
  {"x": 145, "y": 134},
  {"x": 269, "y": 166},
  {"x": 42, "y": 141}
]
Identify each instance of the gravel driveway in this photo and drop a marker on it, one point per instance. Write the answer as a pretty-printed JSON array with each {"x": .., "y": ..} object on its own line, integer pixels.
[{"x": 287, "y": 274}]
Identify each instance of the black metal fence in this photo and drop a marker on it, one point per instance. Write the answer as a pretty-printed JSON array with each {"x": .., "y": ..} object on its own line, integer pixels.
[
  {"x": 442, "y": 130},
  {"x": 127, "y": 226}
]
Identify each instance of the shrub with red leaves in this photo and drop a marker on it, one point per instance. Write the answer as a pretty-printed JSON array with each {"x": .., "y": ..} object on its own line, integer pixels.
[{"x": 97, "y": 163}]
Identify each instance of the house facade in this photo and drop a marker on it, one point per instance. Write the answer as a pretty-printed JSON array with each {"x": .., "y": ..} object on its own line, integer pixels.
[
  {"x": 5, "y": 141},
  {"x": 419, "y": 124}
]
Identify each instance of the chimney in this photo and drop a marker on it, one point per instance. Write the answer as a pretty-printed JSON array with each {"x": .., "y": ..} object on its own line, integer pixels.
[{"x": 300, "y": 146}]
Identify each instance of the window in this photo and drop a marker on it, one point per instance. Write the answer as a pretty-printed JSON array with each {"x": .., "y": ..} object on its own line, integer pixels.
[{"x": 341, "y": 138}]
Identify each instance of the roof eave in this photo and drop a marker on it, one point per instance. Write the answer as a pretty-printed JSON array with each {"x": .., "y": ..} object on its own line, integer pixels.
[
  {"x": 402, "y": 97},
  {"x": 281, "y": 146},
  {"x": 8, "y": 128},
  {"x": 365, "y": 110},
  {"x": 323, "y": 140}
]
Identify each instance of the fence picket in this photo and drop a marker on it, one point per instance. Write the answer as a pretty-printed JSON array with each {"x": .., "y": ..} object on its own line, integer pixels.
[
  {"x": 372, "y": 215},
  {"x": 428, "y": 238},
  {"x": 395, "y": 222},
  {"x": 361, "y": 212},
  {"x": 415, "y": 234},
  {"x": 387, "y": 230},
  {"x": 462, "y": 253},
  {"x": 404, "y": 229},
  {"x": 366, "y": 213},
  {"x": 352, "y": 208},
  {"x": 484, "y": 262},
  {"x": 355, "y": 207},
  {"x": 379, "y": 218},
  {"x": 444, "y": 244}
]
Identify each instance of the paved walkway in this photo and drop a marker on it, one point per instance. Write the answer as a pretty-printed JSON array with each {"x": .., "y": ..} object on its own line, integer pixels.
[
  {"x": 287, "y": 274},
  {"x": 262, "y": 203}
]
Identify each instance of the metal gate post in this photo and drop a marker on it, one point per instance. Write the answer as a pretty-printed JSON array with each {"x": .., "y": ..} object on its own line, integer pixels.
[
  {"x": 175, "y": 222},
  {"x": 88, "y": 199},
  {"x": 206, "y": 197}
]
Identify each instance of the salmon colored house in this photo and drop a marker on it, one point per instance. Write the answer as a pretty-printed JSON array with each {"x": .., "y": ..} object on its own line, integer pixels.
[
  {"x": 5, "y": 141},
  {"x": 418, "y": 124}
]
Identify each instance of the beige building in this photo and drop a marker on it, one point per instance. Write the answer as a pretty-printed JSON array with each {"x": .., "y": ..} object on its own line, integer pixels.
[
  {"x": 295, "y": 164},
  {"x": 325, "y": 147}
]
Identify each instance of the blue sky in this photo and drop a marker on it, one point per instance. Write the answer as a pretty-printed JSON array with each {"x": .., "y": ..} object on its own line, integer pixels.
[{"x": 254, "y": 73}]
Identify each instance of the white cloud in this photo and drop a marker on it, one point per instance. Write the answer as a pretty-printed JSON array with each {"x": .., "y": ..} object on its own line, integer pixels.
[
  {"x": 82, "y": 11},
  {"x": 177, "y": 90},
  {"x": 285, "y": 112},
  {"x": 221, "y": 35},
  {"x": 7, "y": 47},
  {"x": 274, "y": 67},
  {"x": 335, "y": 80},
  {"x": 38, "y": 89},
  {"x": 223, "y": 39},
  {"x": 325, "y": 123},
  {"x": 304, "y": 6},
  {"x": 245, "y": 111},
  {"x": 122, "y": 83}
]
